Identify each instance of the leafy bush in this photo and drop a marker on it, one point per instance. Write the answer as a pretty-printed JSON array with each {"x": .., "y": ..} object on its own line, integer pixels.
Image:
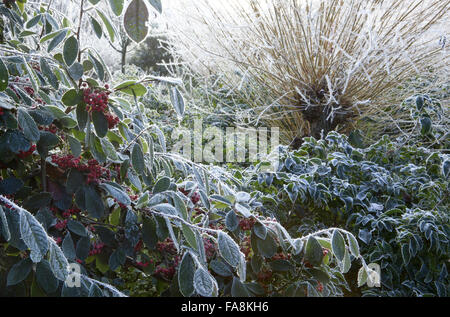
[
  {"x": 86, "y": 178},
  {"x": 395, "y": 198}
]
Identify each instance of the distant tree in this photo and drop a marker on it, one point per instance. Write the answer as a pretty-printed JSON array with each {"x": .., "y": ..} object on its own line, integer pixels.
[{"x": 149, "y": 54}]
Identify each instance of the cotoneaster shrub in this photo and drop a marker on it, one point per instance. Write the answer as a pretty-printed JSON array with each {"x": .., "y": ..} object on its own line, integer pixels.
[
  {"x": 86, "y": 178},
  {"x": 393, "y": 197}
]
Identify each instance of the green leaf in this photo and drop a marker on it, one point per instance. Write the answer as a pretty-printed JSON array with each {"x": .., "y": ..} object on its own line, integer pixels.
[
  {"x": 116, "y": 6},
  {"x": 232, "y": 221},
  {"x": 426, "y": 126},
  {"x": 77, "y": 228},
  {"x": 267, "y": 247},
  {"x": 28, "y": 125},
  {"x": 45, "y": 277},
  {"x": 4, "y": 229},
  {"x": 313, "y": 251},
  {"x": 362, "y": 276},
  {"x": 83, "y": 247},
  {"x": 100, "y": 123},
  {"x": 260, "y": 230},
  {"x": 70, "y": 50},
  {"x": 33, "y": 235},
  {"x": 109, "y": 26},
  {"x": 221, "y": 268},
  {"x": 229, "y": 249},
  {"x": 161, "y": 185},
  {"x": 186, "y": 275},
  {"x": 131, "y": 87},
  {"x": 137, "y": 159},
  {"x": 135, "y": 20},
  {"x": 189, "y": 235},
  {"x": 46, "y": 70},
  {"x": 165, "y": 209},
  {"x": 19, "y": 272},
  {"x": 117, "y": 192},
  {"x": 99, "y": 69},
  {"x": 33, "y": 21},
  {"x": 149, "y": 235},
  {"x": 353, "y": 244},
  {"x": 71, "y": 98},
  {"x": 58, "y": 262},
  {"x": 4, "y": 76},
  {"x": 68, "y": 247},
  {"x": 338, "y": 245},
  {"x": 94, "y": 202},
  {"x": 177, "y": 101},
  {"x": 46, "y": 142},
  {"x": 204, "y": 284},
  {"x": 238, "y": 289},
  {"x": 156, "y": 4},
  {"x": 56, "y": 40},
  {"x": 96, "y": 27},
  {"x": 75, "y": 146}
]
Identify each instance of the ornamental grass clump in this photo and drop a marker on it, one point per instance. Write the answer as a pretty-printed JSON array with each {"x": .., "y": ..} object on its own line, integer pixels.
[{"x": 324, "y": 63}]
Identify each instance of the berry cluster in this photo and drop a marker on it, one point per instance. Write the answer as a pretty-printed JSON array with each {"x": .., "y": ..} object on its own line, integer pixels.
[
  {"x": 264, "y": 276},
  {"x": 247, "y": 223},
  {"x": 165, "y": 272},
  {"x": 166, "y": 247},
  {"x": 138, "y": 247},
  {"x": 96, "y": 100},
  {"x": 319, "y": 287},
  {"x": 246, "y": 246},
  {"x": 195, "y": 197},
  {"x": 2, "y": 112},
  {"x": 143, "y": 264},
  {"x": 112, "y": 120},
  {"x": 93, "y": 168},
  {"x": 281, "y": 256},
  {"x": 52, "y": 128},
  {"x": 61, "y": 225},
  {"x": 25, "y": 154},
  {"x": 210, "y": 248},
  {"x": 96, "y": 248},
  {"x": 71, "y": 212}
]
